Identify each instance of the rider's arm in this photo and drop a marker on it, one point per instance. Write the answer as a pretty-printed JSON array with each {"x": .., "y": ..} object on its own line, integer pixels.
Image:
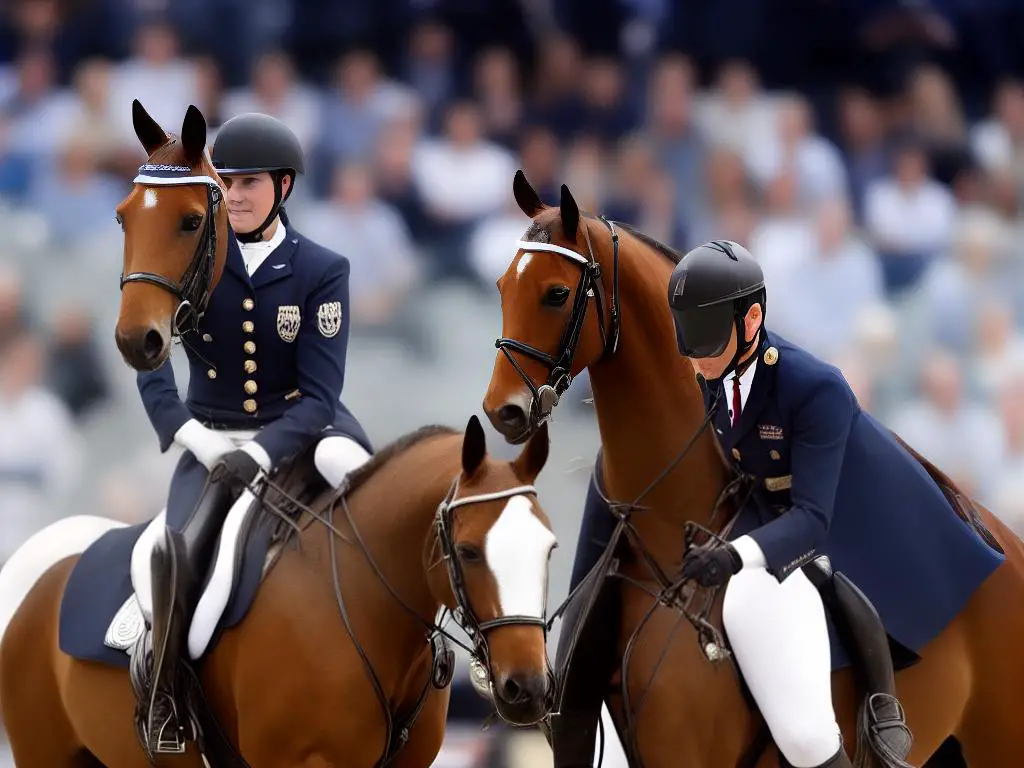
[
  {"x": 321, "y": 367},
  {"x": 163, "y": 405},
  {"x": 821, "y": 425}
]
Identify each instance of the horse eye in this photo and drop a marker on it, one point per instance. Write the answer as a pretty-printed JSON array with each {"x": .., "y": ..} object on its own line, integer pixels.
[
  {"x": 469, "y": 554},
  {"x": 556, "y": 296},
  {"x": 191, "y": 222}
]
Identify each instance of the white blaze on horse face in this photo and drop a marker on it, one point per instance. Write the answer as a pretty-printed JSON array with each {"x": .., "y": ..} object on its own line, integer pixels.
[
  {"x": 524, "y": 262},
  {"x": 517, "y": 549},
  {"x": 149, "y": 198}
]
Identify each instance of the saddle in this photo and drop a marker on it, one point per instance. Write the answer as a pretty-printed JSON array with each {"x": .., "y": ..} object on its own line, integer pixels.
[{"x": 187, "y": 715}]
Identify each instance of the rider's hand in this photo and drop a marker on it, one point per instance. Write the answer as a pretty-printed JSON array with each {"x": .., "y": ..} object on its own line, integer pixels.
[
  {"x": 711, "y": 567},
  {"x": 239, "y": 466},
  {"x": 207, "y": 445}
]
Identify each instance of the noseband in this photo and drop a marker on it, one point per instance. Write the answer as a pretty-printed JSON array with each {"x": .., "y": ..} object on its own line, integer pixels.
[
  {"x": 193, "y": 290},
  {"x": 463, "y": 614},
  {"x": 559, "y": 365}
]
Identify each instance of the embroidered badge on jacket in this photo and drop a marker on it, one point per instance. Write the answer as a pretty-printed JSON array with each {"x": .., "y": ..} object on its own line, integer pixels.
[
  {"x": 770, "y": 432},
  {"x": 289, "y": 320},
  {"x": 328, "y": 318}
]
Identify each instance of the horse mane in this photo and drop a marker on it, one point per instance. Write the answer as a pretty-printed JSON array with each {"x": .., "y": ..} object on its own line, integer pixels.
[
  {"x": 542, "y": 233},
  {"x": 392, "y": 450}
]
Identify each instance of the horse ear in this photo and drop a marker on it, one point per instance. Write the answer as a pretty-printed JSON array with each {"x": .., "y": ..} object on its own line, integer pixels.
[
  {"x": 193, "y": 134},
  {"x": 474, "y": 446},
  {"x": 526, "y": 196},
  {"x": 528, "y": 464},
  {"x": 147, "y": 129},
  {"x": 570, "y": 213}
]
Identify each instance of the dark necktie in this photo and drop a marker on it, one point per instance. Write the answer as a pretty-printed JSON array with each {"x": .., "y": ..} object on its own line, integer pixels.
[{"x": 737, "y": 403}]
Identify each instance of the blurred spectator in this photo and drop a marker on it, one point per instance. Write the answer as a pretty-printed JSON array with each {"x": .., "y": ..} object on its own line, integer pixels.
[
  {"x": 430, "y": 67},
  {"x": 13, "y": 313},
  {"x": 557, "y": 101},
  {"x": 909, "y": 217},
  {"x": 954, "y": 289},
  {"x": 784, "y": 239},
  {"x": 998, "y": 348},
  {"x": 863, "y": 131},
  {"x": 91, "y": 120},
  {"x": 539, "y": 154},
  {"x": 936, "y": 118},
  {"x": 606, "y": 111},
  {"x": 679, "y": 145},
  {"x": 370, "y": 232},
  {"x": 957, "y": 433},
  {"x": 727, "y": 199},
  {"x": 39, "y": 447},
  {"x": 157, "y": 74},
  {"x": 275, "y": 91},
  {"x": 819, "y": 169},
  {"x": 74, "y": 365},
  {"x": 394, "y": 177},
  {"x": 998, "y": 141},
  {"x": 818, "y": 306},
  {"x": 498, "y": 91},
  {"x": 362, "y": 101},
  {"x": 76, "y": 198},
  {"x": 736, "y": 113},
  {"x": 462, "y": 177}
]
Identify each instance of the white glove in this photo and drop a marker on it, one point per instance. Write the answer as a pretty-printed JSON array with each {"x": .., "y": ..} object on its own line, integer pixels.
[{"x": 207, "y": 445}]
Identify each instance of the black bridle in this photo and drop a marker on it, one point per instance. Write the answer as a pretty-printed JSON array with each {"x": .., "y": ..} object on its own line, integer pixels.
[
  {"x": 193, "y": 290},
  {"x": 559, "y": 365},
  {"x": 463, "y": 614}
]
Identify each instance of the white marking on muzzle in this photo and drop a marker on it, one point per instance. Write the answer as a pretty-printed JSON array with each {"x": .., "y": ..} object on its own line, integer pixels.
[
  {"x": 149, "y": 198},
  {"x": 517, "y": 549}
]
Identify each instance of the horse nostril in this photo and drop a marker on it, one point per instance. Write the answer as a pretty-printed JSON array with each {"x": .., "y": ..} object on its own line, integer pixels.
[
  {"x": 512, "y": 416},
  {"x": 511, "y": 691},
  {"x": 152, "y": 344}
]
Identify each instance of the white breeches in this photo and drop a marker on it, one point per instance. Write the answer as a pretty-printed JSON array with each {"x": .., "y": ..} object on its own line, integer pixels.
[
  {"x": 780, "y": 639},
  {"x": 336, "y": 456}
]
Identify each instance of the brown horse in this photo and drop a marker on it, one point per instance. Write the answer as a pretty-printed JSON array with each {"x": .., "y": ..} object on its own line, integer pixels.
[
  {"x": 338, "y": 659},
  {"x": 563, "y": 310}
]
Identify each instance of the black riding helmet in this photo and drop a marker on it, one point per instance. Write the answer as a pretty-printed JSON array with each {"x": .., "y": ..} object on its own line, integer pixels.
[
  {"x": 258, "y": 143},
  {"x": 710, "y": 292}
]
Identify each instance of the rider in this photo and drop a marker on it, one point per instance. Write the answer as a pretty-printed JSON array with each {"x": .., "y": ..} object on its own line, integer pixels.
[
  {"x": 830, "y": 481},
  {"x": 267, "y": 365}
]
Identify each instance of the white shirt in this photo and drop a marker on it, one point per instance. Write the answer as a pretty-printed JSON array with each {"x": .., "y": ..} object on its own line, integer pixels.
[
  {"x": 254, "y": 254},
  {"x": 749, "y": 550}
]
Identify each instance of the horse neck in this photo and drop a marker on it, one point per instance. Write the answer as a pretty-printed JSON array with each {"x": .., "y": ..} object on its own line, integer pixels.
[
  {"x": 393, "y": 525},
  {"x": 649, "y": 405}
]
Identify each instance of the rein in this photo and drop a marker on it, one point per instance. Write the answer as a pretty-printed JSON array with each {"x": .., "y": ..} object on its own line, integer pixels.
[
  {"x": 559, "y": 365},
  {"x": 436, "y": 635}
]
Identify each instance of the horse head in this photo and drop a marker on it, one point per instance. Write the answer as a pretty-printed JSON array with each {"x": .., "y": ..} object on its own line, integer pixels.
[
  {"x": 496, "y": 542},
  {"x": 175, "y": 239},
  {"x": 550, "y": 331}
]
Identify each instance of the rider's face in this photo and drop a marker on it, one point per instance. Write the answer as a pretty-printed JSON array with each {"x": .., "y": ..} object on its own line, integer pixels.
[{"x": 250, "y": 199}]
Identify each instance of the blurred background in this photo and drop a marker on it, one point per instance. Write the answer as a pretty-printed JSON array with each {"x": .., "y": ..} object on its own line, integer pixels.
[{"x": 869, "y": 152}]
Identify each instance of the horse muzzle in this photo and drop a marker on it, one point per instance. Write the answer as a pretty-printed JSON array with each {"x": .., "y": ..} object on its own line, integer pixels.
[
  {"x": 522, "y": 698},
  {"x": 144, "y": 349}
]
